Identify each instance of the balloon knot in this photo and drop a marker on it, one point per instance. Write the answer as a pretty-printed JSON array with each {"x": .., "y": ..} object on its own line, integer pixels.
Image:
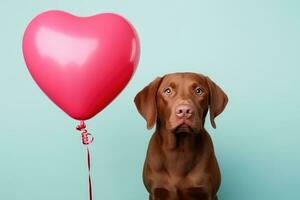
[{"x": 84, "y": 134}]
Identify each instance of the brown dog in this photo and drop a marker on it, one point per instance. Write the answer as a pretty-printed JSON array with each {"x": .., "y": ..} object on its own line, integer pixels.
[{"x": 180, "y": 162}]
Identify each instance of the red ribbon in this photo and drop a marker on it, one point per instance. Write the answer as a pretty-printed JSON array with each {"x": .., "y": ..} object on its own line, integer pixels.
[
  {"x": 89, "y": 170},
  {"x": 87, "y": 141}
]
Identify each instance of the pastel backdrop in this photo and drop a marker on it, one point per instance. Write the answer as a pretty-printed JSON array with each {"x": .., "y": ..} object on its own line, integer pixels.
[{"x": 250, "y": 48}]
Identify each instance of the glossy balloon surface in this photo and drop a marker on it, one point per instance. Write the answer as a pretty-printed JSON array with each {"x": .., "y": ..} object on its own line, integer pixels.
[{"x": 81, "y": 63}]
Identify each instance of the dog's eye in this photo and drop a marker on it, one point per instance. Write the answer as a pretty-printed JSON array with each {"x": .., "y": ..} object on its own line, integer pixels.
[
  {"x": 198, "y": 91},
  {"x": 168, "y": 91}
]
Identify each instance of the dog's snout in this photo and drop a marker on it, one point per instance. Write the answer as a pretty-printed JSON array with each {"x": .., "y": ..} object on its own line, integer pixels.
[{"x": 184, "y": 111}]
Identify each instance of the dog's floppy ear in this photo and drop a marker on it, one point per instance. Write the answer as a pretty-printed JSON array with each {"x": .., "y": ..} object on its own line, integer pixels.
[
  {"x": 218, "y": 100},
  {"x": 145, "y": 102}
]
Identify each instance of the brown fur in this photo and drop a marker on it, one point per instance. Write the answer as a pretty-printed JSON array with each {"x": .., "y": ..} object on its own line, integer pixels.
[{"x": 180, "y": 162}]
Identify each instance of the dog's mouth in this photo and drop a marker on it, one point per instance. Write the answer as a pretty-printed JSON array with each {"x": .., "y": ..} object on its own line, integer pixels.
[{"x": 183, "y": 128}]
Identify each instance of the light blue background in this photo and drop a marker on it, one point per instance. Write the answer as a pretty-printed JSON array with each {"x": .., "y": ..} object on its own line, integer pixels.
[{"x": 250, "y": 48}]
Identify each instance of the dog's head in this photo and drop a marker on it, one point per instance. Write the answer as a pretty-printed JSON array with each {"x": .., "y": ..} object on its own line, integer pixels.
[{"x": 179, "y": 102}]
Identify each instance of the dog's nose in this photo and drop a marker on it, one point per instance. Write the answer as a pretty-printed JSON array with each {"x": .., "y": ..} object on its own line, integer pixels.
[{"x": 184, "y": 111}]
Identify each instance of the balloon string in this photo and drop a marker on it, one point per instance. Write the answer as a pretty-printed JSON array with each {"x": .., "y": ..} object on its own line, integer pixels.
[
  {"x": 89, "y": 171},
  {"x": 87, "y": 141}
]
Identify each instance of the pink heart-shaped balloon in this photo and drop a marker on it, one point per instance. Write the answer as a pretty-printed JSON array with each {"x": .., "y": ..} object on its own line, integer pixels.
[{"x": 81, "y": 63}]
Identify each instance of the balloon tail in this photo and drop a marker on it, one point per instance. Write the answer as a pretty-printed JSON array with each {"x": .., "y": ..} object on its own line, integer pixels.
[
  {"x": 84, "y": 134},
  {"x": 87, "y": 141}
]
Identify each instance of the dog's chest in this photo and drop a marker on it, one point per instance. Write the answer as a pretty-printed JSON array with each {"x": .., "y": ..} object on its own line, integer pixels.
[
  {"x": 184, "y": 156},
  {"x": 180, "y": 161}
]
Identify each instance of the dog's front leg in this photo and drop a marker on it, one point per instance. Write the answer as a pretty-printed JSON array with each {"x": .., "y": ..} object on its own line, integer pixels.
[
  {"x": 162, "y": 189},
  {"x": 196, "y": 193}
]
